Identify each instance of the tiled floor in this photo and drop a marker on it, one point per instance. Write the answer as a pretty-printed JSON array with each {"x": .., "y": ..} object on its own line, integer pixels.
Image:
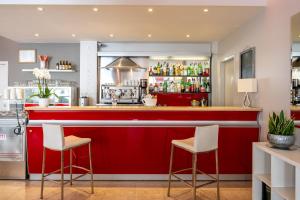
[{"x": 121, "y": 190}]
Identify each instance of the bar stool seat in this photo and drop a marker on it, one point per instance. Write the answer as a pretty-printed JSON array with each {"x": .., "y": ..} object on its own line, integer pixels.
[
  {"x": 186, "y": 144},
  {"x": 73, "y": 141},
  {"x": 54, "y": 139}
]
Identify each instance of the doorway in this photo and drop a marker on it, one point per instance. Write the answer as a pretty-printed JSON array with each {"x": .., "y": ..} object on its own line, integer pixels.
[{"x": 227, "y": 82}]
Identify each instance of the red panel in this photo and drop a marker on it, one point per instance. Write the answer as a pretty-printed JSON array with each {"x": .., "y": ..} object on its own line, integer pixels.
[
  {"x": 295, "y": 115},
  {"x": 145, "y": 150},
  {"x": 169, "y": 99},
  {"x": 144, "y": 115}
]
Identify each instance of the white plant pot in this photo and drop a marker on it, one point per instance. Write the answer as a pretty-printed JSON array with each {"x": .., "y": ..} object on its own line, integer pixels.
[{"x": 44, "y": 102}]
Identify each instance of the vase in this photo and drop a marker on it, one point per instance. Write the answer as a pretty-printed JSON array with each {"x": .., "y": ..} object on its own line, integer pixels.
[
  {"x": 281, "y": 141},
  {"x": 44, "y": 102},
  {"x": 43, "y": 64}
]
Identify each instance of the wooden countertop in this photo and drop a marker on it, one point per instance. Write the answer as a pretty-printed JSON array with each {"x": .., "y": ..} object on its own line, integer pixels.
[
  {"x": 295, "y": 108},
  {"x": 142, "y": 108}
]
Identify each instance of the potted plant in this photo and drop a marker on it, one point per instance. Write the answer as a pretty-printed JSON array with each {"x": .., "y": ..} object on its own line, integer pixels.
[
  {"x": 281, "y": 131},
  {"x": 43, "y": 75}
]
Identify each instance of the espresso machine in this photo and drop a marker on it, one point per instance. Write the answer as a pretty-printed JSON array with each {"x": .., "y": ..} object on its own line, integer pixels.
[{"x": 112, "y": 94}]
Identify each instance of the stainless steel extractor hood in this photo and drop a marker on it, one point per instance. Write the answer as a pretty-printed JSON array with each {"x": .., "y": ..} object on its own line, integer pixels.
[{"x": 123, "y": 63}]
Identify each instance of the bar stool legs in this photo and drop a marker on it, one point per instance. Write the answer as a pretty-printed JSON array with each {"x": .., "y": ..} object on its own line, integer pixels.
[
  {"x": 170, "y": 169},
  {"x": 62, "y": 174},
  {"x": 43, "y": 172},
  {"x": 217, "y": 174},
  {"x": 62, "y": 167},
  {"x": 194, "y": 175},
  {"x": 91, "y": 168},
  {"x": 71, "y": 163}
]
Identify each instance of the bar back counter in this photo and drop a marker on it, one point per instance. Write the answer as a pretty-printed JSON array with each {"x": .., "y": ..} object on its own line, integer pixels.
[{"x": 133, "y": 142}]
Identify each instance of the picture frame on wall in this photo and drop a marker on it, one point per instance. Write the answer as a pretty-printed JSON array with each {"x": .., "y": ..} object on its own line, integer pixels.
[
  {"x": 27, "y": 56},
  {"x": 247, "y": 63}
]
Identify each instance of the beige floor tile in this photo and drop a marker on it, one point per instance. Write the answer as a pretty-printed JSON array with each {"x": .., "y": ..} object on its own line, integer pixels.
[{"x": 122, "y": 190}]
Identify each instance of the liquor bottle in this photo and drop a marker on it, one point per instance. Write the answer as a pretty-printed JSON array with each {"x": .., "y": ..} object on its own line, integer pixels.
[
  {"x": 200, "y": 69},
  {"x": 154, "y": 71},
  {"x": 60, "y": 65},
  {"x": 196, "y": 70},
  {"x": 155, "y": 88},
  {"x": 172, "y": 87},
  {"x": 185, "y": 70},
  {"x": 187, "y": 87},
  {"x": 197, "y": 87},
  {"x": 70, "y": 65},
  {"x": 202, "y": 88},
  {"x": 158, "y": 69},
  {"x": 165, "y": 86},
  {"x": 182, "y": 85},
  {"x": 150, "y": 71},
  {"x": 167, "y": 70},
  {"x": 160, "y": 88},
  {"x": 192, "y": 86},
  {"x": 57, "y": 66},
  {"x": 207, "y": 87},
  {"x": 171, "y": 71}
]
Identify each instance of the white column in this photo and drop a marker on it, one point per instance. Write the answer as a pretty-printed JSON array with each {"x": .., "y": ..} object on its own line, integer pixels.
[{"x": 88, "y": 70}]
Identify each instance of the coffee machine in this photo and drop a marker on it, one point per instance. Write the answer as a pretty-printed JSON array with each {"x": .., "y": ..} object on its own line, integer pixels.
[{"x": 143, "y": 88}]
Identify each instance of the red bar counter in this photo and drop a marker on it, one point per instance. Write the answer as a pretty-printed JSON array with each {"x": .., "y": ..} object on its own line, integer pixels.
[{"x": 128, "y": 141}]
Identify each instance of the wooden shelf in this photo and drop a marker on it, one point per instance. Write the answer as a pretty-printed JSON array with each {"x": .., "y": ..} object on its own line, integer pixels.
[
  {"x": 52, "y": 70},
  {"x": 287, "y": 193}
]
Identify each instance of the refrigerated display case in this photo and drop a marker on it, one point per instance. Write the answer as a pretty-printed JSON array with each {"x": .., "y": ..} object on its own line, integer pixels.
[{"x": 67, "y": 95}]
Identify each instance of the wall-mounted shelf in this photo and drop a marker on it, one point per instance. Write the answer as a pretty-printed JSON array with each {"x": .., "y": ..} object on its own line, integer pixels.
[
  {"x": 52, "y": 70},
  {"x": 279, "y": 169}
]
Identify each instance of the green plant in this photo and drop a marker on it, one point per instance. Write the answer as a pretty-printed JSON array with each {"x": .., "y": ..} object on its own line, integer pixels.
[
  {"x": 281, "y": 125},
  {"x": 42, "y": 76}
]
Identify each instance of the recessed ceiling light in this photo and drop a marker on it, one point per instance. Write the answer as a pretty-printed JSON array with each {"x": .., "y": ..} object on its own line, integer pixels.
[
  {"x": 36, "y": 35},
  {"x": 149, "y": 35},
  {"x": 111, "y": 35},
  {"x": 40, "y": 9},
  {"x": 73, "y": 35},
  {"x": 95, "y": 9},
  {"x": 187, "y": 35},
  {"x": 150, "y": 10},
  {"x": 205, "y": 10}
]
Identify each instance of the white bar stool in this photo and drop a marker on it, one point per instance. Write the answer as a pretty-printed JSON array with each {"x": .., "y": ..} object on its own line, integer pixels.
[
  {"x": 204, "y": 140},
  {"x": 54, "y": 140}
]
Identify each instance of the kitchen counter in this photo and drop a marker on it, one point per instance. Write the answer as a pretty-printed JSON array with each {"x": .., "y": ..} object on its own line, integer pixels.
[
  {"x": 144, "y": 108},
  {"x": 133, "y": 142}
]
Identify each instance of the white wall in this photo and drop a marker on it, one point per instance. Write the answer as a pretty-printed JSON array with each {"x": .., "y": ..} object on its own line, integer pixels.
[{"x": 270, "y": 33}]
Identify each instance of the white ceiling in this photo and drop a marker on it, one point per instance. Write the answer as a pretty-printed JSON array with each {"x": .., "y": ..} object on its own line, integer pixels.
[
  {"x": 127, "y": 23},
  {"x": 296, "y": 28}
]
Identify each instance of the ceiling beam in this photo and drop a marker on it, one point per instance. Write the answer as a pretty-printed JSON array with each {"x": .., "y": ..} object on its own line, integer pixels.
[{"x": 139, "y": 2}]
